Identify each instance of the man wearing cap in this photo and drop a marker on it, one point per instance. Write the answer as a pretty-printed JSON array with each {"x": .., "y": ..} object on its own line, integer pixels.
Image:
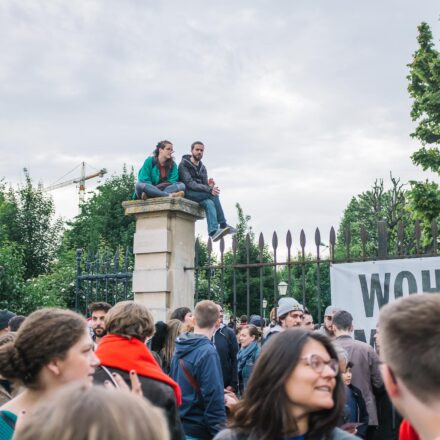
[
  {"x": 290, "y": 314},
  {"x": 5, "y": 317},
  {"x": 327, "y": 327}
]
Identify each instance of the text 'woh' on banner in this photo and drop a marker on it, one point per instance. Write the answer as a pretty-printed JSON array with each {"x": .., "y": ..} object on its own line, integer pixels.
[{"x": 363, "y": 288}]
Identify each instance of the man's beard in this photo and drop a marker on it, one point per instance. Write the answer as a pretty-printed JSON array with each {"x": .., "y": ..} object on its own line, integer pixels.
[{"x": 102, "y": 331}]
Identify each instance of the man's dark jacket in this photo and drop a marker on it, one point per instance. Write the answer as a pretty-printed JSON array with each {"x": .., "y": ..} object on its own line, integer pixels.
[
  {"x": 226, "y": 344},
  {"x": 158, "y": 393},
  {"x": 203, "y": 409},
  {"x": 195, "y": 177}
]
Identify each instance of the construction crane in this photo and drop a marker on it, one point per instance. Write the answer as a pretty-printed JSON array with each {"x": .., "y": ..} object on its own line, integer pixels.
[{"x": 81, "y": 180}]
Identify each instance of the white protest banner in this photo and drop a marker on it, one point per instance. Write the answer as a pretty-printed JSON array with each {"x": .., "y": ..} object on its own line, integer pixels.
[{"x": 362, "y": 288}]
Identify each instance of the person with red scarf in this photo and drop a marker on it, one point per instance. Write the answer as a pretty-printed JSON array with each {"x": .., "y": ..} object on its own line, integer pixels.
[{"x": 123, "y": 350}]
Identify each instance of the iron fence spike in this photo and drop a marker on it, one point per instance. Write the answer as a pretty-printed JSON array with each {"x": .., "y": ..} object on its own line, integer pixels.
[
  {"x": 302, "y": 239},
  {"x": 288, "y": 239},
  {"x": 261, "y": 242},
  {"x": 317, "y": 237},
  {"x": 274, "y": 240}
]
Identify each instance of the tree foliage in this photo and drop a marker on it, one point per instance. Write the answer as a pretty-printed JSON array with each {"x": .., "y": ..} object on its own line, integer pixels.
[
  {"x": 366, "y": 209},
  {"x": 27, "y": 219},
  {"x": 102, "y": 223},
  {"x": 424, "y": 89}
]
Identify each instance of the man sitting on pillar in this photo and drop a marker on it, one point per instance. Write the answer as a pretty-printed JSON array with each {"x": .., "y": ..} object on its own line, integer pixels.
[{"x": 200, "y": 189}]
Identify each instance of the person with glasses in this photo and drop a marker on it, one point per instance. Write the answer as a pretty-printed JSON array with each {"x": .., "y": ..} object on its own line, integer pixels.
[
  {"x": 295, "y": 392},
  {"x": 158, "y": 176},
  {"x": 365, "y": 372}
]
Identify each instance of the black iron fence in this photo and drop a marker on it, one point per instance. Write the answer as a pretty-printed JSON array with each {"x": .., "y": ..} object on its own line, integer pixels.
[
  {"x": 249, "y": 278},
  {"x": 104, "y": 277}
]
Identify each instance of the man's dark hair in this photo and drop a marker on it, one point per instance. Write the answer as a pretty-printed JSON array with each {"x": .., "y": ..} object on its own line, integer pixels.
[
  {"x": 343, "y": 320},
  {"x": 98, "y": 306},
  {"x": 15, "y": 322},
  {"x": 243, "y": 319},
  {"x": 196, "y": 143}
]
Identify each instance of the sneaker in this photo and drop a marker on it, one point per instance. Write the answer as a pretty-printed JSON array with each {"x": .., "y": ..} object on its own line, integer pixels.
[
  {"x": 219, "y": 234},
  {"x": 144, "y": 196},
  {"x": 178, "y": 194},
  {"x": 231, "y": 230}
]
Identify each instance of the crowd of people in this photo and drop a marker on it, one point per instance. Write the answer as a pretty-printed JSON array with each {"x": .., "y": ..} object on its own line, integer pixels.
[{"x": 120, "y": 375}]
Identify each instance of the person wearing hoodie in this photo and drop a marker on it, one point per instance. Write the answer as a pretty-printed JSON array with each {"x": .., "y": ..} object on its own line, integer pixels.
[
  {"x": 200, "y": 189},
  {"x": 195, "y": 366},
  {"x": 290, "y": 315}
]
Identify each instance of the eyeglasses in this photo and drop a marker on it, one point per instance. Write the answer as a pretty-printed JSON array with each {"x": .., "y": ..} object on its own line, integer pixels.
[{"x": 318, "y": 363}]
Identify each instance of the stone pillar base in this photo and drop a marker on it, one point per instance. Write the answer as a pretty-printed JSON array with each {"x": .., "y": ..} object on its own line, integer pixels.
[{"x": 163, "y": 246}]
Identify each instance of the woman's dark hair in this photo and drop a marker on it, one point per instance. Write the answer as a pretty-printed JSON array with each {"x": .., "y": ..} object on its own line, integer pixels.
[
  {"x": 44, "y": 335},
  {"x": 160, "y": 146},
  {"x": 180, "y": 313},
  {"x": 159, "y": 337},
  {"x": 265, "y": 412}
]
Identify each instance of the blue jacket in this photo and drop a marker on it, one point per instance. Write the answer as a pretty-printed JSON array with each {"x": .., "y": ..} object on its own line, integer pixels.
[
  {"x": 246, "y": 359},
  {"x": 203, "y": 409}
]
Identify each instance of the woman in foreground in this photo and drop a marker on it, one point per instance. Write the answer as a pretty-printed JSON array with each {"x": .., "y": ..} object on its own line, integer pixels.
[
  {"x": 295, "y": 392},
  {"x": 51, "y": 348}
]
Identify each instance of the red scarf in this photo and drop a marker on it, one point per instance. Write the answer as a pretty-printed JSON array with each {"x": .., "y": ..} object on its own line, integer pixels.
[{"x": 131, "y": 354}]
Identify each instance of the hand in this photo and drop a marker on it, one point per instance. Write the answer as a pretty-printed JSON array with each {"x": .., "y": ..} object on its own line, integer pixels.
[
  {"x": 211, "y": 182},
  {"x": 215, "y": 191},
  {"x": 230, "y": 388},
  {"x": 136, "y": 387},
  {"x": 230, "y": 399}
]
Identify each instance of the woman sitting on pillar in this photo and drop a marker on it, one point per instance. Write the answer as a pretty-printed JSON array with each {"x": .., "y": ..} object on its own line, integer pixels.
[{"x": 158, "y": 176}]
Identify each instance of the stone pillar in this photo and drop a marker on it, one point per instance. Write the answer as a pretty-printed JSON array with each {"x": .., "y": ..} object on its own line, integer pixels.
[{"x": 163, "y": 246}]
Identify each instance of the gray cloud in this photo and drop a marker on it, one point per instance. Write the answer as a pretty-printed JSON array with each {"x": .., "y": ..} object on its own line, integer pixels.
[{"x": 301, "y": 104}]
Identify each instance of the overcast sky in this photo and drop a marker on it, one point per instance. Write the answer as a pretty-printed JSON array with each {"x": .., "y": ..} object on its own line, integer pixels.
[{"x": 301, "y": 104}]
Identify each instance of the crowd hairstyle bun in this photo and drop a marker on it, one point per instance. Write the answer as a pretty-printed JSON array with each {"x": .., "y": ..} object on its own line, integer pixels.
[{"x": 44, "y": 335}]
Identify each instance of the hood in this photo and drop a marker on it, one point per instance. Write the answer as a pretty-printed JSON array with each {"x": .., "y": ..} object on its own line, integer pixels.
[
  {"x": 186, "y": 160},
  {"x": 188, "y": 342}
]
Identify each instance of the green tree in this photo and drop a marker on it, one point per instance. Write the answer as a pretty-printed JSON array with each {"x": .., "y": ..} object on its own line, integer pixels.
[
  {"x": 102, "y": 223},
  {"x": 366, "y": 209},
  {"x": 424, "y": 89},
  {"x": 27, "y": 219}
]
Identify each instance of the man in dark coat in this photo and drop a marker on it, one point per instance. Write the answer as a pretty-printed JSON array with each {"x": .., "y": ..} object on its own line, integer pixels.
[
  {"x": 204, "y": 191},
  {"x": 226, "y": 345}
]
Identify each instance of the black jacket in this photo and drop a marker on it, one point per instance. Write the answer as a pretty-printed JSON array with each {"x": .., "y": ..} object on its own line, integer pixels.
[
  {"x": 194, "y": 177},
  {"x": 361, "y": 412},
  {"x": 158, "y": 393},
  {"x": 226, "y": 344}
]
